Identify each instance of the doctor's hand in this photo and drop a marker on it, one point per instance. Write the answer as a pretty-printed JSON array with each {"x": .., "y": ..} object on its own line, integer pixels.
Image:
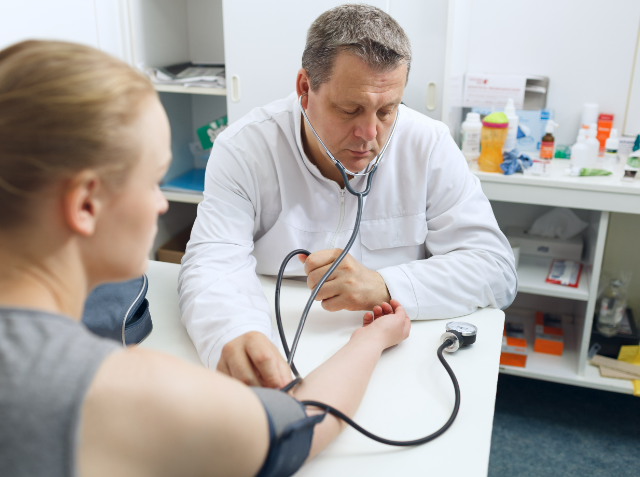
[
  {"x": 253, "y": 359},
  {"x": 351, "y": 286}
]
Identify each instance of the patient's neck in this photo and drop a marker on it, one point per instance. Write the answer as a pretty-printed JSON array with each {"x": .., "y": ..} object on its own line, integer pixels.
[{"x": 42, "y": 272}]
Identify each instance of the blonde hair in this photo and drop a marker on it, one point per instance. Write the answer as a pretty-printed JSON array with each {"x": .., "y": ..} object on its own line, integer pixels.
[{"x": 64, "y": 108}]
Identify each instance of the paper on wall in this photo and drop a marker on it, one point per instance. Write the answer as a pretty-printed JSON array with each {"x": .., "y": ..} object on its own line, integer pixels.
[{"x": 493, "y": 90}]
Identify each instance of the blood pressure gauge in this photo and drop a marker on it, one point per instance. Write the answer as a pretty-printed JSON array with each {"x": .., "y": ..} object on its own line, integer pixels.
[{"x": 462, "y": 334}]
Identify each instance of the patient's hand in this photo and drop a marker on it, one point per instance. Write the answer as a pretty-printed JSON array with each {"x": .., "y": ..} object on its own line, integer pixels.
[{"x": 388, "y": 323}]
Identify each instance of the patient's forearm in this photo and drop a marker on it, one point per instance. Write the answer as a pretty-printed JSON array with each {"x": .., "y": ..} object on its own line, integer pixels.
[{"x": 341, "y": 382}]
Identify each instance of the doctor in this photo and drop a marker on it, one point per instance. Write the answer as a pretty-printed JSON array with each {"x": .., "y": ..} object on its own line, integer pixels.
[{"x": 428, "y": 237}]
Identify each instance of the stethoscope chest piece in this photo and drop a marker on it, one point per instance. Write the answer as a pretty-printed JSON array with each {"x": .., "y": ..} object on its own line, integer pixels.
[{"x": 460, "y": 333}]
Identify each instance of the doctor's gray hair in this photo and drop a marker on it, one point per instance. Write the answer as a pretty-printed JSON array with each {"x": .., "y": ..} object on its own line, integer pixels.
[{"x": 365, "y": 31}]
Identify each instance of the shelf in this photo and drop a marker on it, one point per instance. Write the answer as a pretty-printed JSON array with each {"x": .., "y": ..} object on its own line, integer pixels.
[
  {"x": 532, "y": 273},
  {"x": 564, "y": 369},
  {"x": 183, "y": 197},
  {"x": 172, "y": 88}
]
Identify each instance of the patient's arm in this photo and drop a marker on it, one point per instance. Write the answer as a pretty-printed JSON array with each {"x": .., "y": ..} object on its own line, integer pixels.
[{"x": 147, "y": 413}]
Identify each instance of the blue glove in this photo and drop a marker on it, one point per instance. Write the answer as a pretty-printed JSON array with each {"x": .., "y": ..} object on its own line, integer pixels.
[{"x": 513, "y": 161}]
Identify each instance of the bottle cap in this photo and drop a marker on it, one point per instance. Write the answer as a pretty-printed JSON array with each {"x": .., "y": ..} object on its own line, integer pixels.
[
  {"x": 551, "y": 126},
  {"x": 590, "y": 113},
  {"x": 613, "y": 134},
  {"x": 496, "y": 120},
  {"x": 510, "y": 109},
  {"x": 473, "y": 117}
]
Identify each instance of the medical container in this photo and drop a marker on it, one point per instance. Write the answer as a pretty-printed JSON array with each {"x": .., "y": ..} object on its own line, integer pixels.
[
  {"x": 611, "y": 148},
  {"x": 593, "y": 145},
  {"x": 605, "y": 123},
  {"x": 494, "y": 132},
  {"x": 589, "y": 114},
  {"x": 471, "y": 128},
  {"x": 612, "y": 305},
  {"x": 512, "y": 134}
]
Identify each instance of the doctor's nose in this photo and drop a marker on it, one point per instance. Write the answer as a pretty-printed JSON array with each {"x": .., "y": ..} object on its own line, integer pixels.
[{"x": 366, "y": 129}]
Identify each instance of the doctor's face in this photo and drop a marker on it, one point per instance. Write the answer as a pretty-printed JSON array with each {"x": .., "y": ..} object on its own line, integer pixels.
[{"x": 354, "y": 111}]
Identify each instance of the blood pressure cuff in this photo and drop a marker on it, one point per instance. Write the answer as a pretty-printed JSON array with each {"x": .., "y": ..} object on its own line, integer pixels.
[
  {"x": 290, "y": 433},
  {"x": 119, "y": 311}
]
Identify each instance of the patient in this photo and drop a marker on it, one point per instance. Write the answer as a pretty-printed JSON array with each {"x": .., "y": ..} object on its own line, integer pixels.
[{"x": 84, "y": 142}]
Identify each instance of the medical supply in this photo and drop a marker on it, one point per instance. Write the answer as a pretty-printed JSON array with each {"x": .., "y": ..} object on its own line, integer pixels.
[
  {"x": 579, "y": 153},
  {"x": 612, "y": 304},
  {"x": 586, "y": 172},
  {"x": 514, "y": 345},
  {"x": 562, "y": 152},
  {"x": 565, "y": 273},
  {"x": 457, "y": 335},
  {"x": 593, "y": 146},
  {"x": 548, "y": 339},
  {"x": 626, "y": 146},
  {"x": 513, "y": 161},
  {"x": 209, "y": 132},
  {"x": 471, "y": 128},
  {"x": 494, "y": 132},
  {"x": 632, "y": 166},
  {"x": 611, "y": 149},
  {"x": 559, "y": 222},
  {"x": 531, "y": 126},
  {"x": 605, "y": 123},
  {"x": 589, "y": 114},
  {"x": 627, "y": 335},
  {"x": 548, "y": 141},
  {"x": 545, "y": 247},
  {"x": 512, "y": 134}
]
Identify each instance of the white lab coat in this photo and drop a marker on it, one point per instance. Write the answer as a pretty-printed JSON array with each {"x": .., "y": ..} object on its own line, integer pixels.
[{"x": 263, "y": 198}]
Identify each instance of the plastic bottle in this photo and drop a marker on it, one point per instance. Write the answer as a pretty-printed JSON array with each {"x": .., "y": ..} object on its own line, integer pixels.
[
  {"x": 512, "y": 134},
  {"x": 611, "y": 308},
  {"x": 471, "y": 128},
  {"x": 611, "y": 149},
  {"x": 548, "y": 141},
  {"x": 593, "y": 144},
  {"x": 589, "y": 114},
  {"x": 494, "y": 132},
  {"x": 579, "y": 154}
]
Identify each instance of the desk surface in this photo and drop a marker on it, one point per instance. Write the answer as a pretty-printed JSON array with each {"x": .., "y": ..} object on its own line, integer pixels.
[{"x": 410, "y": 394}]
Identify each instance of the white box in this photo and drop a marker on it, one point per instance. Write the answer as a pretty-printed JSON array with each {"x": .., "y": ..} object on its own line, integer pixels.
[{"x": 534, "y": 245}]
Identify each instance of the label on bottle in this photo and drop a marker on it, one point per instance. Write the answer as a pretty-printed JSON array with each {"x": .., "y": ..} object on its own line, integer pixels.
[
  {"x": 471, "y": 142},
  {"x": 611, "y": 156},
  {"x": 546, "y": 150}
]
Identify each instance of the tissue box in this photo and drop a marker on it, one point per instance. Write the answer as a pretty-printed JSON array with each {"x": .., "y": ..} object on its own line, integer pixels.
[
  {"x": 549, "y": 339},
  {"x": 514, "y": 345},
  {"x": 569, "y": 249}
]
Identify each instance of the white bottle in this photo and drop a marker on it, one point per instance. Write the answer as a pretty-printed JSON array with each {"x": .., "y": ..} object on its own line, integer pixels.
[
  {"x": 611, "y": 146},
  {"x": 593, "y": 144},
  {"x": 512, "y": 135},
  {"x": 471, "y": 128},
  {"x": 589, "y": 114},
  {"x": 579, "y": 154}
]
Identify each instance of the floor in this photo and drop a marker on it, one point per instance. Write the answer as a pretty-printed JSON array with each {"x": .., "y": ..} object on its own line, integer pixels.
[{"x": 548, "y": 429}]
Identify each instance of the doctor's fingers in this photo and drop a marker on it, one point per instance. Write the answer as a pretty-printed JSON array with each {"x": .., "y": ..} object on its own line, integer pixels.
[
  {"x": 240, "y": 367},
  {"x": 320, "y": 259},
  {"x": 315, "y": 276},
  {"x": 273, "y": 370}
]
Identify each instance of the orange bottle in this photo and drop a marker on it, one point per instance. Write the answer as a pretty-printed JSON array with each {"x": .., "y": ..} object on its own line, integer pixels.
[{"x": 495, "y": 127}]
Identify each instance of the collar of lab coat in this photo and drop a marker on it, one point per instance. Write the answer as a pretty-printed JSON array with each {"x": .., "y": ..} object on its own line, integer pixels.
[{"x": 357, "y": 182}]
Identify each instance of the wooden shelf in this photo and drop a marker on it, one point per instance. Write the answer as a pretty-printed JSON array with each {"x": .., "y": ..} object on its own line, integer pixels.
[
  {"x": 532, "y": 273},
  {"x": 172, "y": 88},
  {"x": 189, "y": 198}
]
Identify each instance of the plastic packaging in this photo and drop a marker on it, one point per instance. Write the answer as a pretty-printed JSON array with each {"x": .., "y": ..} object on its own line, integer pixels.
[
  {"x": 512, "y": 134},
  {"x": 589, "y": 114},
  {"x": 605, "y": 123},
  {"x": 611, "y": 149},
  {"x": 494, "y": 132},
  {"x": 593, "y": 145},
  {"x": 612, "y": 304},
  {"x": 471, "y": 128}
]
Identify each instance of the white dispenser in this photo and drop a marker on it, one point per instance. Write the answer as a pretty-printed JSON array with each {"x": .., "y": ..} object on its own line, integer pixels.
[
  {"x": 593, "y": 144},
  {"x": 471, "y": 128},
  {"x": 579, "y": 154},
  {"x": 512, "y": 135},
  {"x": 611, "y": 146}
]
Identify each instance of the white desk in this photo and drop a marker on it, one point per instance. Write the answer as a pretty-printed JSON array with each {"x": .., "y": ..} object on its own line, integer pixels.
[{"x": 410, "y": 394}]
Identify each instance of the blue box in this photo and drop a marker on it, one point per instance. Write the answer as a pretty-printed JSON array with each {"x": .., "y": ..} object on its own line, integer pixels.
[{"x": 531, "y": 126}]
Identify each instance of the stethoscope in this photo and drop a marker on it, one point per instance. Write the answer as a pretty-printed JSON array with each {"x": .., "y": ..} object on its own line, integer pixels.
[{"x": 457, "y": 335}]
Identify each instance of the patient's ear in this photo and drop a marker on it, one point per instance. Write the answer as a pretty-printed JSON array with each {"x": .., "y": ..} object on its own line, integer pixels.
[{"x": 82, "y": 202}]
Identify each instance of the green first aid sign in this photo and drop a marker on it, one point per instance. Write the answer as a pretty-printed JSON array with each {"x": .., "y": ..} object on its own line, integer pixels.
[{"x": 208, "y": 133}]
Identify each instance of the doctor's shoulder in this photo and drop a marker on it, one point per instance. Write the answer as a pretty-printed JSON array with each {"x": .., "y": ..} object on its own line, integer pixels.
[{"x": 420, "y": 130}]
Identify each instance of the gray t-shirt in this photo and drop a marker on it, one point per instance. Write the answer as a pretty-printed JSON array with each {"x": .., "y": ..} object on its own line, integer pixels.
[{"x": 47, "y": 363}]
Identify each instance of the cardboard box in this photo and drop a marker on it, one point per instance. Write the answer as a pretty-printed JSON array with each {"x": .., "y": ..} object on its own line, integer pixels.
[
  {"x": 514, "y": 345},
  {"x": 549, "y": 337},
  {"x": 534, "y": 245},
  {"x": 173, "y": 250}
]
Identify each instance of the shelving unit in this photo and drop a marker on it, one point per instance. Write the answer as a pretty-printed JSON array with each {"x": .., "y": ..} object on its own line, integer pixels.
[
  {"x": 518, "y": 200},
  {"x": 171, "y": 88}
]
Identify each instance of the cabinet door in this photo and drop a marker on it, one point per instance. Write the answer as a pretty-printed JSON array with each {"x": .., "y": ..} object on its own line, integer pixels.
[{"x": 264, "y": 42}]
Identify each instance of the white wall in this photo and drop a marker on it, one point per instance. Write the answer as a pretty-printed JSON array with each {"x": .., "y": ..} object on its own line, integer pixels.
[{"x": 585, "y": 47}]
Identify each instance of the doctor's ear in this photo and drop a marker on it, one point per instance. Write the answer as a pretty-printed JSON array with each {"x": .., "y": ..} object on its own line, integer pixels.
[
  {"x": 82, "y": 201},
  {"x": 303, "y": 85}
]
